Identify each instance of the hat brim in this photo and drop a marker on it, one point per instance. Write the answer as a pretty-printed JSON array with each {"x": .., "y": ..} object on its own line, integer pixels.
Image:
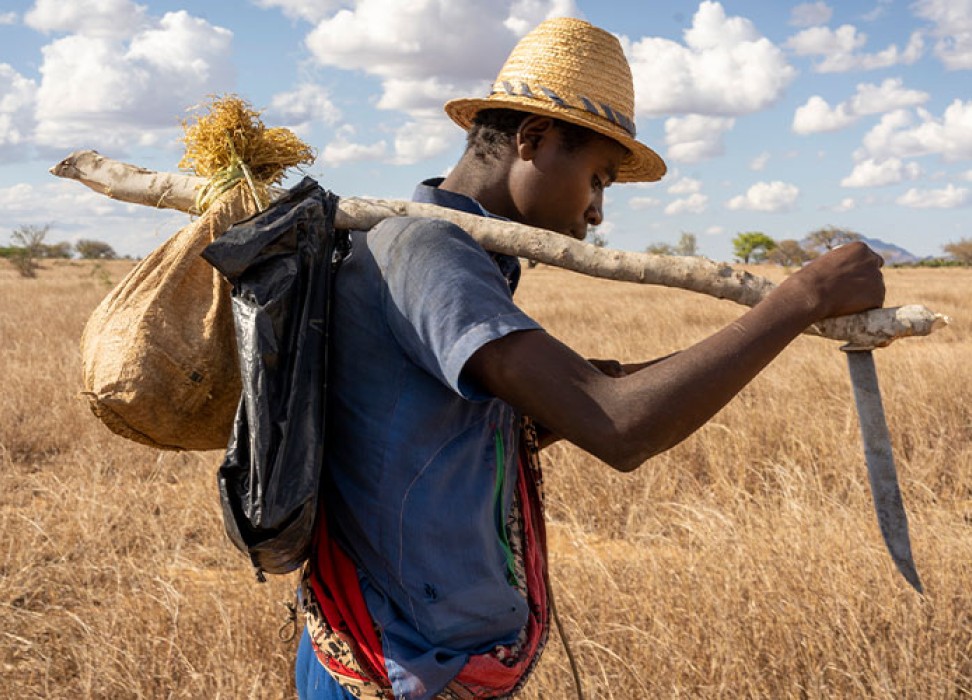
[{"x": 641, "y": 165}]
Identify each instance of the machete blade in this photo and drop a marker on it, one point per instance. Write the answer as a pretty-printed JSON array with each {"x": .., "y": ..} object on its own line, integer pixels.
[{"x": 881, "y": 471}]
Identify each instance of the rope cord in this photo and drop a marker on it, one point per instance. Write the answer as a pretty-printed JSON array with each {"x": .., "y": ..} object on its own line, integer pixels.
[
  {"x": 225, "y": 179},
  {"x": 575, "y": 672},
  {"x": 246, "y": 173}
]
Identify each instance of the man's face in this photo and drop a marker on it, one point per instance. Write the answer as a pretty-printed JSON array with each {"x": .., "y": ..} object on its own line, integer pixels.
[{"x": 561, "y": 189}]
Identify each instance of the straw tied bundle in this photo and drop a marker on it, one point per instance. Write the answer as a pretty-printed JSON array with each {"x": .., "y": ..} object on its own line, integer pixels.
[{"x": 236, "y": 161}]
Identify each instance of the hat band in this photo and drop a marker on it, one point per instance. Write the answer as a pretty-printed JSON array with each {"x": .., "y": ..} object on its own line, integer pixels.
[{"x": 612, "y": 115}]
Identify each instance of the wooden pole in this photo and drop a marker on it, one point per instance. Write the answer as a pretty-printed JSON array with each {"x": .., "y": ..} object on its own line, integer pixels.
[{"x": 877, "y": 328}]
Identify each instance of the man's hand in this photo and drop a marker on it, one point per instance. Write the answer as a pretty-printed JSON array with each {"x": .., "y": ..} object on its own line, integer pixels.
[{"x": 843, "y": 281}]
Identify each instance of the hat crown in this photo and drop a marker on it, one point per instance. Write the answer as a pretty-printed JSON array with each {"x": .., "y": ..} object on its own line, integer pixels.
[
  {"x": 570, "y": 70},
  {"x": 575, "y": 61}
]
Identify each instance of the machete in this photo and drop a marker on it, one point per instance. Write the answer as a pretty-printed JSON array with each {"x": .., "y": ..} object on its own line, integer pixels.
[{"x": 881, "y": 471}]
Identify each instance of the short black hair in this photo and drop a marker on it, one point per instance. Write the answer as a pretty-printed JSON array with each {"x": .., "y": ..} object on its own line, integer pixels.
[{"x": 493, "y": 130}]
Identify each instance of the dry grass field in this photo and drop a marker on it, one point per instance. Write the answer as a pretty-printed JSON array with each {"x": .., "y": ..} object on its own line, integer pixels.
[{"x": 745, "y": 563}]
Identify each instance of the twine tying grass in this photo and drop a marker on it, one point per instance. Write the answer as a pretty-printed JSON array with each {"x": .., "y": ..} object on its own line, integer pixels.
[{"x": 226, "y": 141}]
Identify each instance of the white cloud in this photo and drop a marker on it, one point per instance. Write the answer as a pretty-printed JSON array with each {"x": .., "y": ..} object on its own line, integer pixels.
[
  {"x": 639, "y": 203},
  {"x": 947, "y": 198},
  {"x": 8, "y": 18},
  {"x": 693, "y": 204},
  {"x": 725, "y": 67},
  {"x": 17, "y": 95},
  {"x": 455, "y": 41},
  {"x": 952, "y": 21},
  {"x": 685, "y": 185},
  {"x": 50, "y": 201},
  {"x": 526, "y": 14},
  {"x": 312, "y": 11},
  {"x": 102, "y": 92},
  {"x": 714, "y": 230},
  {"x": 759, "y": 162},
  {"x": 181, "y": 45},
  {"x": 766, "y": 196},
  {"x": 897, "y": 135},
  {"x": 846, "y": 204},
  {"x": 694, "y": 138},
  {"x": 967, "y": 175},
  {"x": 16, "y": 197},
  {"x": 423, "y": 95},
  {"x": 94, "y": 18},
  {"x": 304, "y": 105},
  {"x": 872, "y": 173},
  {"x": 419, "y": 140},
  {"x": 817, "y": 115},
  {"x": 878, "y": 11},
  {"x": 890, "y": 94},
  {"x": 340, "y": 152},
  {"x": 810, "y": 14},
  {"x": 838, "y": 49}
]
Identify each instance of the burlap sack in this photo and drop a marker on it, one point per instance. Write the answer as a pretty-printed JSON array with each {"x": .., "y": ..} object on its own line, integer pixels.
[{"x": 159, "y": 353}]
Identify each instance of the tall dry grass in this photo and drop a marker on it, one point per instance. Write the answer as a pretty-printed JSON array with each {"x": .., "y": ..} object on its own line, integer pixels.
[{"x": 746, "y": 562}]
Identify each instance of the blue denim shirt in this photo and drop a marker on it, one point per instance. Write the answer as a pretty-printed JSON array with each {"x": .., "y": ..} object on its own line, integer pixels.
[{"x": 414, "y": 445}]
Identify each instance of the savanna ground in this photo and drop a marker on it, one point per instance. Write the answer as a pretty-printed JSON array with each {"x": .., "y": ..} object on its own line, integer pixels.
[{"x": 744, "y": 563}]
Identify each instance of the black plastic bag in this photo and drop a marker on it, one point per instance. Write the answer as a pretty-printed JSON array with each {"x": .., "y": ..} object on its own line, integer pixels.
[{"x": 282, "y": 264}]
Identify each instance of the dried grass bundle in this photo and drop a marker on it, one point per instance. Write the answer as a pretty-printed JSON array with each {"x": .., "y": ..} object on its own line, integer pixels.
[{"x": 226, "y": 140}]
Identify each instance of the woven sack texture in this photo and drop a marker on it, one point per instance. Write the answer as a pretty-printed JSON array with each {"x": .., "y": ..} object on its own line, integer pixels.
[{"x": 159, "y": 353}]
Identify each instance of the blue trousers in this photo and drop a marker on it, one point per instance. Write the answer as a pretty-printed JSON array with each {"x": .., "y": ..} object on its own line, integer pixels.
[{"x": 313, "y": 681}]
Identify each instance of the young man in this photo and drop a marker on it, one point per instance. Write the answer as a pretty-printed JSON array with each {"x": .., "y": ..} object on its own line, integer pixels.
[{"x": 429, "y": 575}]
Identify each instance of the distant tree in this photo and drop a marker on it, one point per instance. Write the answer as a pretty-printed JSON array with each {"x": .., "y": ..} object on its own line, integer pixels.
[
  {"x": 789, "y": 253},
  {"x": 752, "y": 246},
  {"x": 660, "y": 249},
  {"x": 24, "y": 263},
  {"x": 597, "y": 238},
  {"x": 687, "y": 245},
  {"x": 30, "y": 236},
  {"x": 29, "y": 241},
  {"x": 829, "y": 237},
  {"x": 961, "y": 250},
  {"x": 62, "y": 249},
  {"x": 95, "y": 250}
]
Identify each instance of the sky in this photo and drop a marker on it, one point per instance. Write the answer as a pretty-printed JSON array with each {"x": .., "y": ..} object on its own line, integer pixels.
[{"x": 780, "y": 117}]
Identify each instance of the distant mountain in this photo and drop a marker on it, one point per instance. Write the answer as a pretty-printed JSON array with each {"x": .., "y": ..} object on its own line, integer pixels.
[{"x": 892, "y": 254}]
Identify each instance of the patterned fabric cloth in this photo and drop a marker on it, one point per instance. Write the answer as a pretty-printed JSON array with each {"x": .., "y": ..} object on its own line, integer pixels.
[{"x": 348, "y": 644}]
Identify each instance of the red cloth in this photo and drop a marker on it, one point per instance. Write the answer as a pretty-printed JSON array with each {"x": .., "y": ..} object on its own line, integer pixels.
[
  {"x": 343, "y": 606},
  {"x": 334, "y": 582}
]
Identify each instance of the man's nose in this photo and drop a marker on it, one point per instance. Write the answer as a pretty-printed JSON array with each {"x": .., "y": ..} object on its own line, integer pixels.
[{"x": 595, "y": 212}]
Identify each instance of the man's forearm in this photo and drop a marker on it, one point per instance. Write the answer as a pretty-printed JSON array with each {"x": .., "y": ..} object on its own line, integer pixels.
[{"x": 668, "y": 401}]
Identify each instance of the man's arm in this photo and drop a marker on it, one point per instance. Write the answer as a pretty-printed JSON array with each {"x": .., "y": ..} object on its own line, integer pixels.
[
  {"x": 612, "y": 368},
  {"x": 626, "y": 420}
]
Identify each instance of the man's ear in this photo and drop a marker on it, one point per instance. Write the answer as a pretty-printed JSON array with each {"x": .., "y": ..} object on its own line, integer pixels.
[{"x": 533, "y": 130}]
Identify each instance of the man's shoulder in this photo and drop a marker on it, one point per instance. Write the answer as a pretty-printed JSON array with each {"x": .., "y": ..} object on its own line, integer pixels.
[
  {"x": 417, "y": 226},
  {"x": 401, "y": 234}
]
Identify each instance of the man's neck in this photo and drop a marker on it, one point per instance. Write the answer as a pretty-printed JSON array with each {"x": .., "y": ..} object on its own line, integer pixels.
[{"x": 486, "y": 183}]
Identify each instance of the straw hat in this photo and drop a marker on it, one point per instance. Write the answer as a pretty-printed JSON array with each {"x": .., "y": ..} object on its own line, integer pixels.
[{"x": 569, "y": 69}]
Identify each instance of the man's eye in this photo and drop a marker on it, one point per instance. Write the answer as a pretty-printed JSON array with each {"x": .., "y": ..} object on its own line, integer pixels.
[{"x": 596, "y": 183}]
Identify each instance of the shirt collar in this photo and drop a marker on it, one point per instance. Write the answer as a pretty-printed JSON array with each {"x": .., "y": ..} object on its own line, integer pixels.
[{"x": 428, "y": 192}]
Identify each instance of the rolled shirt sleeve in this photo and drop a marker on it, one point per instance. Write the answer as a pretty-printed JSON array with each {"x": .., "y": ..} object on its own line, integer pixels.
[{"x": 444, "y": 297}]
